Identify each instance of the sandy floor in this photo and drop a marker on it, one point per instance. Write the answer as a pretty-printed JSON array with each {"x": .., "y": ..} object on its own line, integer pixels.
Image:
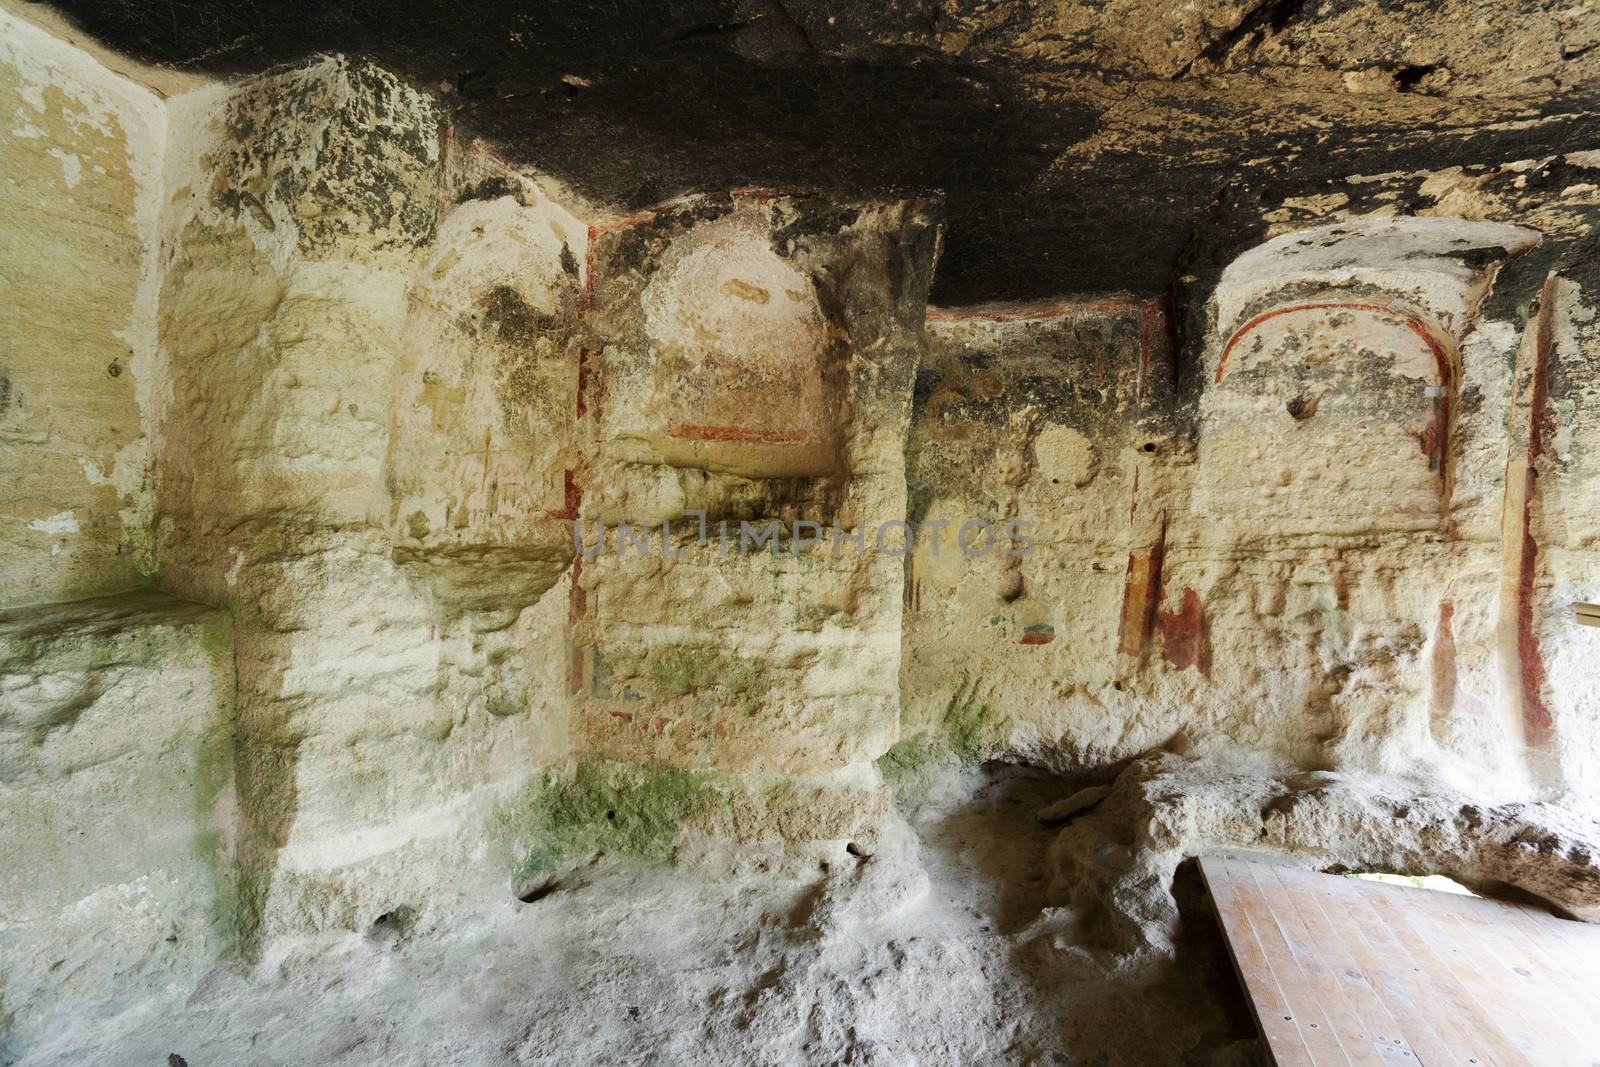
[{"x": 938, "y": 949}]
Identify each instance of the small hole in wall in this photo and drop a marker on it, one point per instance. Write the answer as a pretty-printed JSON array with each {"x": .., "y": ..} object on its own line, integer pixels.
[
  {"x": 392, "y": 925},
  {"x": 611, "y": 816},
  {"x": 1409, "y": 78},
  {"x": 857, "y": 851},
  {"x": 1149, "y": 446},
  {"x": 1302, "y": 407},
  {"x": 537, "y": 892}
]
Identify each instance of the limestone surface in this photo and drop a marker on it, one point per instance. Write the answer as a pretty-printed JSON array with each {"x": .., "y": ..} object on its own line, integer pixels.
[
  {"x": 452, "y": 612},
  {"x": 116, "y": 799}
]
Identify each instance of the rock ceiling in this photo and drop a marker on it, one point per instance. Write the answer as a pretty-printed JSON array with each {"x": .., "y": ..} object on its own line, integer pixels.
[{"x": 1080, "y": 146}]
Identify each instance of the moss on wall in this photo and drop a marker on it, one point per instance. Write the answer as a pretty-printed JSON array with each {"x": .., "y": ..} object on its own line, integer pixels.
[
  {"x": 967, "y": 733},
  {"x": 605, "y": 808},
  {"x": 684, "y": 669},
  {"x": 213, "y": 778}
]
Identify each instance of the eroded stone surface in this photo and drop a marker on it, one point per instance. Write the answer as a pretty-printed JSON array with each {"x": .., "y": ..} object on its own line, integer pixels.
[
  {"x": 81, "y": 150},
  {"x": 1116, "y": 866},
  {"x": 116, "y": 799},
  {"x": 1313, "y": 520}
]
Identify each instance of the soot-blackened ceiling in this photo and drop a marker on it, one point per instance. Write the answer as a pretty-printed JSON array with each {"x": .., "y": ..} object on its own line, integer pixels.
[{"x": 1079, "y": 146}]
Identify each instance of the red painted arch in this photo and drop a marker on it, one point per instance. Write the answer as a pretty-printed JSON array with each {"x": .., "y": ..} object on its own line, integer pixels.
[
  {"x": 1433, "y": 439},
  {"x": 1440, "y": 355}
]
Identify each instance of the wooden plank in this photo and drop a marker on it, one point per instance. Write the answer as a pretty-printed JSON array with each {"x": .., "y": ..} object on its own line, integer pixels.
[
  {"x": 1346, "y": 972},
  {"x": 1372, "y": 982},
  {"x": 1544, "y": 990},
  {"x": 1577, "y": 942},
  {"x": 1578, "y": 965},
  {"x": 1503, "y": 1004},
  {"x": 1443, "y": 1004},
  {"x": 1548, "y": 1001},
  {"x": 1299, "y": 998},
  {"x": 1464, "y": 990},
  {"x": 1311, "y": 955},
  {"x": 1273, "y": 1018},
  {"x": 1553, "y": 1004}
]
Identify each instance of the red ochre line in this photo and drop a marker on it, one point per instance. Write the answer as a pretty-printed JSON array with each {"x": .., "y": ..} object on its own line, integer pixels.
[
  {"x": 737, "y": 433},
  {"x": 1417, "y": 327},
  {"x": 1536, "y": 719},
  {"x": 1037, "y": 639},
  {"x": 1440, "y": 357}
]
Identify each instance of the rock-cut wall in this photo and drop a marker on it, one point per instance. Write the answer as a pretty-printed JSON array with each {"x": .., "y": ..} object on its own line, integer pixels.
[
  {"x": 486, "y": 528},
  {"x": 1346, "y": 530},
  {"x": 81, "y": 151}
]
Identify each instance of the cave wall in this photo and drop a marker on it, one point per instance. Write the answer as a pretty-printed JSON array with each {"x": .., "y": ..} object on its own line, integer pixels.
[
  {"x": 1047, "y": 416},
  {"x": 116, "y": 797},
  {"x": 383, "y": 722},
  {"x": 1333, "y": 519},
  {"x": 81, "y": 151},
  {"x": 1330, "y": 506},
  {"x": 1500, "y": 597},
  {"x": 754, "y": 357}
]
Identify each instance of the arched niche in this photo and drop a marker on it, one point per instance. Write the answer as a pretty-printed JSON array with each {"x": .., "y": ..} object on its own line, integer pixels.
[
  {"x": 743, "y": 380},
  {"x": 1334, "y": 372},
  {"x": 1331, "y": 413}
]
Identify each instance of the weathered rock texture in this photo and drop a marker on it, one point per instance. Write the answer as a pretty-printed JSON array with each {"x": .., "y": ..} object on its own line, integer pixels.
[
  {"x": 1115, "y": 867},
  {"x": 81, "y": 152},
  {"x": 402, "y": 422},
  {"x": 1333, "y": 547},
  {"x": 116, "y": 798}
]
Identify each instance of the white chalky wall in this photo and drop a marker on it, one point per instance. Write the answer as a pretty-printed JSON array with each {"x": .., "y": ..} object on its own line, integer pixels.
[{"x": 369, "y": 376}]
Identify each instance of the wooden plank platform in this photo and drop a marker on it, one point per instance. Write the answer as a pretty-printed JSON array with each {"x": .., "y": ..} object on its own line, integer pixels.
[{"x": 1342, "y": 972}]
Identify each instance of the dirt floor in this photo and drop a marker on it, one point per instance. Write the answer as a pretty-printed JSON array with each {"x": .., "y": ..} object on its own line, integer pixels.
[{"x": 941, "y": 947}]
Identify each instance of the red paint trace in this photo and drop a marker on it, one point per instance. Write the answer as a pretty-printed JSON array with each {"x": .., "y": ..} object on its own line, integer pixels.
[
  {"x": 1435, "y": 437},
  {"x": 1536, "y": 720},
  {"x": 1183, "y": 634},
  {"x": 737, "y": 433},
  {"x": 571, "y": 497},
  {"x": 1037, "y": 639},
  {"x": 1411, "y": 321},
  {"x": 1141, "y": 595}
]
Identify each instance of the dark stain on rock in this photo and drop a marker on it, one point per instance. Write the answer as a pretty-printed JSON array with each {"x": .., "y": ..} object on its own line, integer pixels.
[
  {"x": 637, "y": 248},
  {"x": 811, "y": 218},
  {"x": 512, "y": 319},
  {"x": 353, "y": 155},
  {"x": 1054, "y": 182},
  {"x": 1302, "y": 407},
  {"x": 491, "y": 188}
]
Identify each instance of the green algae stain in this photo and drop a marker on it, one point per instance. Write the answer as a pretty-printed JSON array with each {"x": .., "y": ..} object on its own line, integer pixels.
[
  {"x": 966, "y": 733},
  {"x": 214, "y": 775},
  {"x": 684, "y": 669},
  {"x": 607, "y": 809}
]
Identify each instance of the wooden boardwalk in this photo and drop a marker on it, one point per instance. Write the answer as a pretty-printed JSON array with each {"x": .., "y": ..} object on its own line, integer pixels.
[{"x": 1343, "y": 972}]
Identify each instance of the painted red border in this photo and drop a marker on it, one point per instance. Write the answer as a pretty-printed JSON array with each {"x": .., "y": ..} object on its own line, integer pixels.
[{"x": 1435, "y": 438}]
